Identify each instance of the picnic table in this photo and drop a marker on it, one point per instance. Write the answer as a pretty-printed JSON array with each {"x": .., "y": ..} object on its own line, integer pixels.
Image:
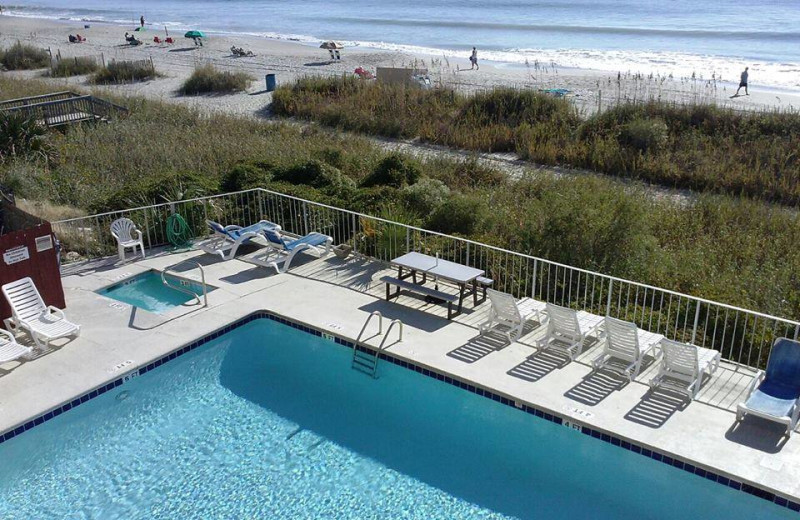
[{"x": 465, "y": 277}]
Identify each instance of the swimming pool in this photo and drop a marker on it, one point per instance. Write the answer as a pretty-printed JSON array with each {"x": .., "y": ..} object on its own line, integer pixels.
[
  {"x": 268, "y": 421},
  {"x": 148, "y": 292}
]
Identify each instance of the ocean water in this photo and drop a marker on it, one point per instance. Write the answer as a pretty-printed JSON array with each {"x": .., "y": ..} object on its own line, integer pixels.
[
  {"x": 271, "y": 422},
  {"x": 677, "y": 37}
]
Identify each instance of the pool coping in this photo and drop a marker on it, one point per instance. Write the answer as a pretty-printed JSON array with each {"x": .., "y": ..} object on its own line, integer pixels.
[{"x": 541, "y": 412}]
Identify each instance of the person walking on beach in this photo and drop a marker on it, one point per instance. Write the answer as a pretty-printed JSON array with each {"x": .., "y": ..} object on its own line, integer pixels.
[
  {"x": 743, "y": 82},
  {"x": 141, "y": 20},
  {"x": 474, "y": 59}
]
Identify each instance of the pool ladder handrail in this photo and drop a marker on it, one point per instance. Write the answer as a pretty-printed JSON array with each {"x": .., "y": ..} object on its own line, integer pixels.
[
  {"x": 366, "y": 360},
  {"x": 204, "y": 302}
]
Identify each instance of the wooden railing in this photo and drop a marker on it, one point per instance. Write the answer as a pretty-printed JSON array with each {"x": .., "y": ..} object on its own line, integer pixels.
[
  {"x": 34, "y": 100},
  {"x": 64, "y": 108}
]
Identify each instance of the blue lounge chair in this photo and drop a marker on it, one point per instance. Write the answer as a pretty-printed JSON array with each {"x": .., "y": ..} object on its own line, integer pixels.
[
  {"x": 285, "y": 250},
  {"x": 226, "y": 240},
  {"x": 775, "y": 394}
]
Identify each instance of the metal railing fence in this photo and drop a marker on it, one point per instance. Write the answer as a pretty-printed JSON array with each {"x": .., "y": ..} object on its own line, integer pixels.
[{"x": 743, "y": 336}]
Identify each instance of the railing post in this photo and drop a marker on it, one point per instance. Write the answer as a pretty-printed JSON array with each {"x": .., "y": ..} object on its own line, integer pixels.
[
  {"x": 608, "y": 301},
  {"x": 696, "y": 319},
  {"x": 408, "y": 239},
  {"x": 468, "y": 262},
  {"x": 533, "y": 285},
  {"x": 147, "y": 229},
  {"x": 305, "y": 217},
  {"x": 355, "y": 233}
]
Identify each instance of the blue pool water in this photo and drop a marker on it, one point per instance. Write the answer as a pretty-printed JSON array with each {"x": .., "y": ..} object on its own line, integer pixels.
[
  {"x": 148, "y": 292},
  {"x": 271, "y": 422}
]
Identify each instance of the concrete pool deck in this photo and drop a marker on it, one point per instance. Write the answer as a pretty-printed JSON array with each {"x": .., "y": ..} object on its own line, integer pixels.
[{"x": 116, "y": 338}]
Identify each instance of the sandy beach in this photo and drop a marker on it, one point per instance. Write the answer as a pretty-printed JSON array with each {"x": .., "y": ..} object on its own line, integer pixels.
[{"x": 590, "y": 90}]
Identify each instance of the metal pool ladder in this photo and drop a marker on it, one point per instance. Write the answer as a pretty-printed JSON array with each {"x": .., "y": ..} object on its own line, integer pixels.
[
  {"x": 179, "y": 288},
  {"x": 365, "y": 359}
]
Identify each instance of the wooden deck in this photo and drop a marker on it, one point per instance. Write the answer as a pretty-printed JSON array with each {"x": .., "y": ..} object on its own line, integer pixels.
[{"x": 63, "y": 108}]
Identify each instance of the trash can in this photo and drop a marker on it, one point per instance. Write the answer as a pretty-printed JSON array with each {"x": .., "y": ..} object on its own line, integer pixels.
[{"x": 270, "y": 82}]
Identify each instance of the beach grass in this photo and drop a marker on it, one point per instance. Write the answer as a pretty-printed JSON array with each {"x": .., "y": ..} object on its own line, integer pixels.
[
  {"x": 698, "y": 147},
  {"x": 125, "y": 72},
  {"x": 76, "y": 66},
  {"x": 727, "y": 248},
  {"x": 21, "y": 56},
  {"x": 207, "y": 79}
]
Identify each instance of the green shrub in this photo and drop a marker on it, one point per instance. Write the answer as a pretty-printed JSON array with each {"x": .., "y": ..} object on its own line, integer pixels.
[
  {"x": 126, "y": 71},
  {"x": 21, "y": 136},
  {"x": 460, "y": 214},
  {"x": 374, "y": 199},
  {"x": 78, "y": 66},
  {"x": 645, "y": 135},
  {"x": 699, "y": 147},
  {"x": 395, "y": 170},
  {"x": 24, "y": 57},
  {"x": 156, "y": 189},
  {"x": 247, "y": 175},
  {"x": 426, "y": 195},
  {"x": 207, "y": 79}
]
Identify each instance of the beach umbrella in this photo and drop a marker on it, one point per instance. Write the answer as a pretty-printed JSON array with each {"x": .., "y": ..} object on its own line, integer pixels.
[
  {"x": 194, "y": 34},
  {"x": 331, "y": 45}
]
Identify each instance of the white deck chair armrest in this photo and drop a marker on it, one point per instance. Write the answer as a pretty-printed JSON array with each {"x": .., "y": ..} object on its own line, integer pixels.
[
  {"x": 795, "y": 413},
  {"x": 755, "y": 382},
  {"x": 58, "y": 312},
  {"x": 8, "y": 335},
  {"x": 248, "y": 235},
  {"x": 139, "y": 232},
  {"x": 232, "y": 227}
]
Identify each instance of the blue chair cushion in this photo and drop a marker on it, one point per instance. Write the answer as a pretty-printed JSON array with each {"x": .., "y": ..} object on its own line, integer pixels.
[
  {"x": 216, "y": 227},
  {"x": 312, "y": 239},
  {"x": 272, "y": 235},
  {"x": 784, "y": 364},
  {"x": 779, "y": 391},
  {"x": 255, "y": 228},
  {"x": 772, "y": 399}
]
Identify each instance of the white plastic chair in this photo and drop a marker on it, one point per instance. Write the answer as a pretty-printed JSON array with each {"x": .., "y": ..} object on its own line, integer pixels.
[
  {"x": 123, "y": 230},
  {"x": 28, "y": 311},
  {"x": 10, "y": 349},
  {"x": 567, "y": 330},
  {"x": 507, "y": 312},
  {"x": 625, "y": 348},
  {"x": 684, "y": 363}
]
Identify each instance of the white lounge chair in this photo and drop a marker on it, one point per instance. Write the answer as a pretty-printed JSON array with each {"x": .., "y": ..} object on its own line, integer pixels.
[
  {"x": 225, "y": 240},
  {"x": 625, "y": 347},
  {"x": 282, "y": 250},
  {"x": 124, "y": 230},
  {"x": 28, "y": 311},
  {"x": 683, "y": 367},
  {"x": 775, "y": 394},
  {"x": 567, "y": 330},
  {"x": 10, "y": 349},
  {"x": 506, "y": 312}
]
